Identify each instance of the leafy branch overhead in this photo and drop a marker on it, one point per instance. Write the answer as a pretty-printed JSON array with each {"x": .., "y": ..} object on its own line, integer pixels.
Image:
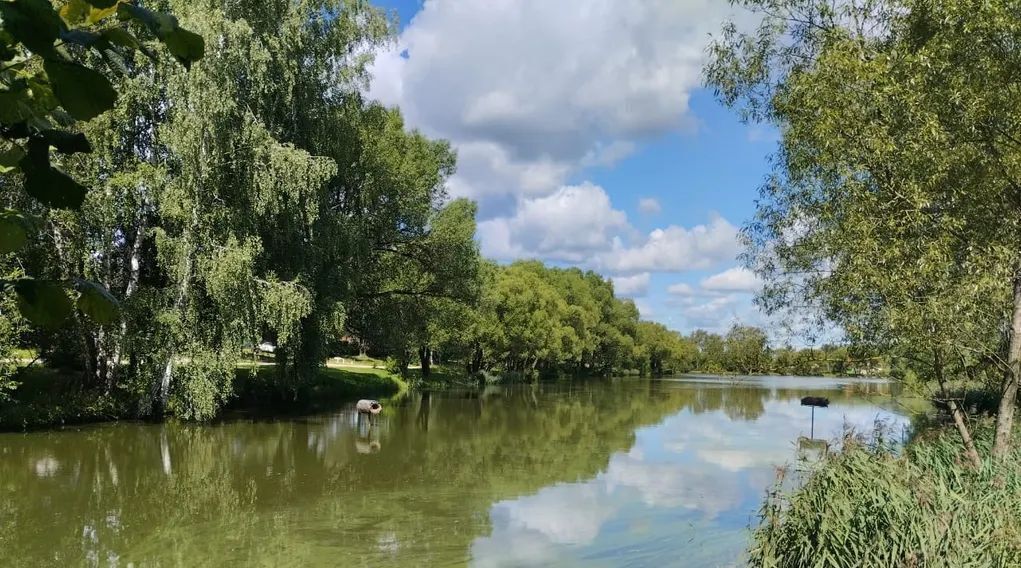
[{"x": 45, "y": 86}]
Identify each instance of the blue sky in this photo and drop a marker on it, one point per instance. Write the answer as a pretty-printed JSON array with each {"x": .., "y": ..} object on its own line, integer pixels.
[{"x": 584, "y": 134}]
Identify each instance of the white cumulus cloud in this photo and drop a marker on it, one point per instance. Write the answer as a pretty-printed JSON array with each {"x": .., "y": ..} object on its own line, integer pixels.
[
  {"x": 535, "y": 90},
  {"x": 737, "y": 279},
  {"x": 631, "y": 286},
  {"x": 572, "y": 224},
  {"x": 677, "y": 248},
  {"x": 681, "y": 289}
]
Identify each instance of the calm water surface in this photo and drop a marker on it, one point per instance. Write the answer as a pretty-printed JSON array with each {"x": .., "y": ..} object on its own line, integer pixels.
[{"x": 614, "y": 473}]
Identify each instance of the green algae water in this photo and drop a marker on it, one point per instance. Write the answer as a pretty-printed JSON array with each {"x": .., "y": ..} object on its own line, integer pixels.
[{"x": 624, "y": 472}]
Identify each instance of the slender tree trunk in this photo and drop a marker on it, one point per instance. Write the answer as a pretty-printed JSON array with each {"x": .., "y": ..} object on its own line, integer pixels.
[
  {"x": 134, "y": 271},
  {"x": 475, "y": 364},
  {"x": 962, "y": 428},
  {"x": 1008, "y": 399},
  {"x": 425, "y": 359},
  {"x": 163, "y": 386},
  {"x": 956, "y": 413}
]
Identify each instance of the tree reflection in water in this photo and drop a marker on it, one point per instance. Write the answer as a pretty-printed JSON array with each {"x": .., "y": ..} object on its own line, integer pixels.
[{"x": 436, "y": 479}]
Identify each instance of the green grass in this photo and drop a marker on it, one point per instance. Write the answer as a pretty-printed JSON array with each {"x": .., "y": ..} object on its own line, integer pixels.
[
  {"x": 264, "y": 389},
  {"x": 868, "y": 506},
  {"x": 440, "y": 376},
  {"x": 24, "y": 354}
]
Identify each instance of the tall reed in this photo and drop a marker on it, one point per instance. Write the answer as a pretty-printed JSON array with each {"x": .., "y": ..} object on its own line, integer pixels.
[{"x": 870, "y": 505}]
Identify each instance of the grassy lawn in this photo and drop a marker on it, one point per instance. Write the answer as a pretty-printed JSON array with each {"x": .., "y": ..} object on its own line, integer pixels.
[
  {"x": 24, "y": 354},
  {"x": 264, "y": 389},
  {"x": 441, "y": 375}
]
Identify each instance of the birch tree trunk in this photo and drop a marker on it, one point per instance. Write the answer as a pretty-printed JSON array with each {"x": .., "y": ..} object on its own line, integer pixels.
[
  {"x": 134, "y": 270},
  {"x": 163, "y": 386}
]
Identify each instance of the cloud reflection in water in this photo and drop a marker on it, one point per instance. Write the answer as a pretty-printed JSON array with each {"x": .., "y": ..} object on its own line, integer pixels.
[{"x": 698, "y": 476}]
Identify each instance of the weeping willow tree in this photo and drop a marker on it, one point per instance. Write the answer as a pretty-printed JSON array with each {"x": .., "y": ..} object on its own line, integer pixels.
[
  {"x": 894, "y": 207},
  {"x": 253, "y": 197}
]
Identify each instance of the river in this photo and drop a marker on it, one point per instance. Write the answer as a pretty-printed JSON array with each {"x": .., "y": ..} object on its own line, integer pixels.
[{"x": 623, "y": 472}]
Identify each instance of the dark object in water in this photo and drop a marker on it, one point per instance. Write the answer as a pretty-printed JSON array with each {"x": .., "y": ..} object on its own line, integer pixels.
[
  {"x": 369, "y": 407},
  {"x": 814, "y": 401},
  {"x": 820, "y": 401}
]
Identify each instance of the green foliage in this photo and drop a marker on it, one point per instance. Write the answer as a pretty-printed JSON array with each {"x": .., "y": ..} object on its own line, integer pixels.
[
  {"x": 42, "y": 70},
  {"x": 41, "y": 397},
  {"x": 869, "y": 507},
  {"x": 202, "y": 386},
  {"x": 42, "y": 302},
  {"x": 11, "y": 327},
  {"x": 96, "y": 302},
  {"x": 746, "y": 348},
  {"x": 894, "y": 207},
  {"x": 84, "y": 93},
  {"x": 221, "y": 219},
  {"x": 14, "y": 231}
]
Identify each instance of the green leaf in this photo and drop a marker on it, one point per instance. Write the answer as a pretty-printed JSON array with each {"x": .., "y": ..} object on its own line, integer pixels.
[
  {"x": 80, "y": 37},
  {"x": 10, "y": 157},
  {"x": 14, "y": 230},
  {"x": 42, "y": 302},
  {"x": 66, "y": 142},
  {"x": 83, "y": 92},
  {"x": 158, "y": 23},
  {"x": 46, "y": 183},
  {"x": 186, "y": 46},
  {"x": 13, "y": 106},
  {"x": 96, "y": 302},
  {"x": 74, "y": 12},
  {"x": 43, "y": 101},
  {"x": 119, "y": 36},
  {"x": 99, "y": 14},
  {"x": 33, "y": 23}
]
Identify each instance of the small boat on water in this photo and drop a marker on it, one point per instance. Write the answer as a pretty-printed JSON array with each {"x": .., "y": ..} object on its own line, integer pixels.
[{"x": 365, "y": 406}]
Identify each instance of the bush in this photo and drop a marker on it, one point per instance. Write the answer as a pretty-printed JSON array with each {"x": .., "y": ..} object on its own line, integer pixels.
[{"x": 867, "y": 506}]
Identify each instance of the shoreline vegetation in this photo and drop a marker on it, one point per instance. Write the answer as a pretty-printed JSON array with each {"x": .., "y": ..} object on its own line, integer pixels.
[
  {"x": 893, "y": 211},
  {"x": 887, "y": 506},
  {"x": 51, "y": 398}
]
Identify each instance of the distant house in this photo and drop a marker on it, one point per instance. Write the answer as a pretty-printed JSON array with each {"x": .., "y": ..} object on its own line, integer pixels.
[{"x": 267, "y": 347}]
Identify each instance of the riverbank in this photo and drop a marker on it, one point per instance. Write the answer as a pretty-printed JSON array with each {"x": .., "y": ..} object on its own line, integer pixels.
[
  {"x": 919, "y": 507},
  {"x": 48, "y": 398}
]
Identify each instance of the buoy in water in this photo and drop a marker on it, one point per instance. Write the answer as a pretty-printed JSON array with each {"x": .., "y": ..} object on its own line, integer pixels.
[{"x": 369, "y": 407}]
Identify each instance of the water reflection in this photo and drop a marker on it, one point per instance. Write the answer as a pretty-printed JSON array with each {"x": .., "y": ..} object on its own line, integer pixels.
[
  {"x": 690, "y": 485},
  {"x": 588, "y": 473}
]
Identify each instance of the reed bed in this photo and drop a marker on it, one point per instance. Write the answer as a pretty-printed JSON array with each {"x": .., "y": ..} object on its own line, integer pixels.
[{"x": 872, "y": 505}]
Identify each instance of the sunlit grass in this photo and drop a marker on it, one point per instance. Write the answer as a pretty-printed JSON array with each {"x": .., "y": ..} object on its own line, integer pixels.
[{"x": 262, "y": 386}]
